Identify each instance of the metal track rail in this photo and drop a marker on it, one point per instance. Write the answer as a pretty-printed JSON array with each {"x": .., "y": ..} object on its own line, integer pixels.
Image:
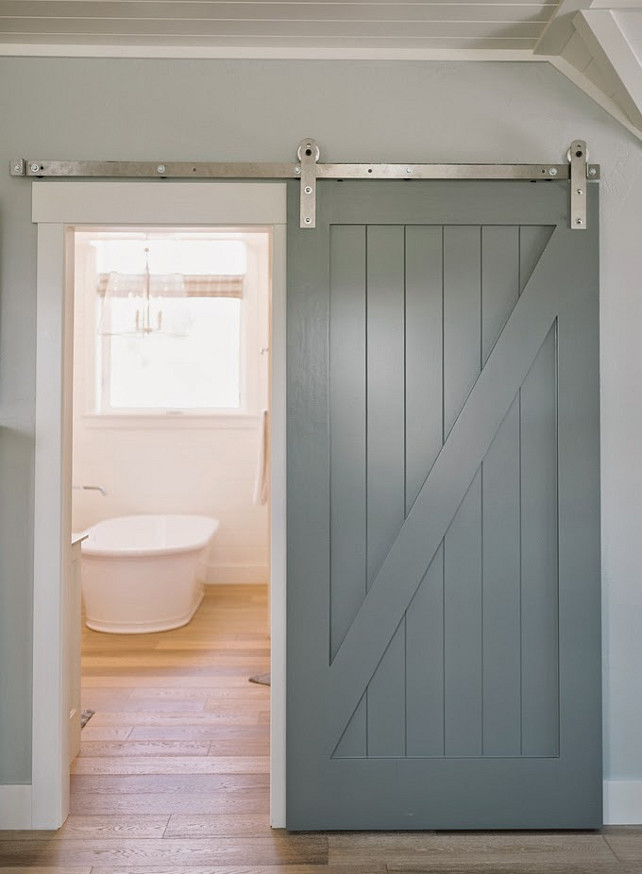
[{"x": 308, "y": 169}]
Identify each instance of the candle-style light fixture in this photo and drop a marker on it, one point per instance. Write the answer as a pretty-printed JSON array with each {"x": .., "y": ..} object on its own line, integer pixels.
[{"x": 145, "y": 294}]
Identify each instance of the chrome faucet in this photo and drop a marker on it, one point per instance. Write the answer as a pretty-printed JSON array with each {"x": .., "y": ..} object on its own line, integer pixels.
[{"x": 91, "y": 489}]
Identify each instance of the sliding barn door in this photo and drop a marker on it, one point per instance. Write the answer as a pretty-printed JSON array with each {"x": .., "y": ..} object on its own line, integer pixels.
[{"x": 443, "y": 509}]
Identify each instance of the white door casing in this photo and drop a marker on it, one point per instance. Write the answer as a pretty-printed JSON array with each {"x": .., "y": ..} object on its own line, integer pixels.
[{"x": 58, "y": 208}]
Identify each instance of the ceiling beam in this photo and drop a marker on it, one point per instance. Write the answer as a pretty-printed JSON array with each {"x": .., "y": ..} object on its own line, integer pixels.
[
  {"x": 560, "y": 28},
  {"x": 585, "y": 43},
  {"x": 595, "y": 93},
  {"x": 612, "y": 51}
]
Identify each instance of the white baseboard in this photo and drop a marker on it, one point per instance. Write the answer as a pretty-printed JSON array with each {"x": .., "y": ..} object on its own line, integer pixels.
[
  {"x": 15, "y": 807},
  {"x": 623, "y": 802},
  {"x": 218, "y": 574}
]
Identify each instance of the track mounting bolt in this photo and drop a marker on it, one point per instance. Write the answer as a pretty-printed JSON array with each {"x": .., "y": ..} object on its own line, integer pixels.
[
  {"x": 408, "y": 169},
  {"x": 592, "y": 171},
  {"x": 161, "y": 168},
  {"x": 34, "y": 168},
  {"x": 297, "y": 169},
  {"x": 552, "y": 171},
  {"x": 579, "y": 221}
]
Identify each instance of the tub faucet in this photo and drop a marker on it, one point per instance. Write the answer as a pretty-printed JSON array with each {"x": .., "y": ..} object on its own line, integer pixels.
[{"x": 91, "y": 489}]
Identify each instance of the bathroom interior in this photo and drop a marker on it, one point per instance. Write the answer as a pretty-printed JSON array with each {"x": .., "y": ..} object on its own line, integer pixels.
[{"x": 170, "y": 495}]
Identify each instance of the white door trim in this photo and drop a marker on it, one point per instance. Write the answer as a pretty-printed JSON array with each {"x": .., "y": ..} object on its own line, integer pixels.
[
  {"x": 56, "y": 207},
  {"x": 52, "y": 530},
  {"x": 15, "y": 806}
]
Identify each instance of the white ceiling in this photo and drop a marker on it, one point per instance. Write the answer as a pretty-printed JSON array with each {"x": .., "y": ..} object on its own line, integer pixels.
[{"x": 421, "y": 24}]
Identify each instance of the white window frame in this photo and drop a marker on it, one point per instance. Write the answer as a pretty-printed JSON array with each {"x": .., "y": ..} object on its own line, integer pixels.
[
  {"x": 254, "y": 342},
  {"x": 57, "y": 209}
]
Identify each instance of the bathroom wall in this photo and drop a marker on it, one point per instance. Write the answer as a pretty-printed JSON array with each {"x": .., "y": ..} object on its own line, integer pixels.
[
  {"x": 358, "y": 111},
  {"x": 171, "y": 463},
  {"x": 206, "y": 470}
]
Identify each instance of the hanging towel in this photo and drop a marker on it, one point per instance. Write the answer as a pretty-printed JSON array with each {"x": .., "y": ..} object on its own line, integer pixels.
[{"x": 262, "y": 478}]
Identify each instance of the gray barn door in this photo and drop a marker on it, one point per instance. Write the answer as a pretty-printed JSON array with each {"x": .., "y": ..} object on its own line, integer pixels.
[{"x": 443, "y": 509}]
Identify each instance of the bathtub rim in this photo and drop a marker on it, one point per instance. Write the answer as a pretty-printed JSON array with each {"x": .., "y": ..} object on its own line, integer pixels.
[{"x": 89, "y": 550}]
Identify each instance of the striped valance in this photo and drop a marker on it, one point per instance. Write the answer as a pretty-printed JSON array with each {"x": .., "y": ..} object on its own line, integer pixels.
[{"x": 170, "y": 285}]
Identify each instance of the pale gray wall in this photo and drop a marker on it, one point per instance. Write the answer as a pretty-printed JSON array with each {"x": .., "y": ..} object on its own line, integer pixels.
[{"x": 259, "y": 110}]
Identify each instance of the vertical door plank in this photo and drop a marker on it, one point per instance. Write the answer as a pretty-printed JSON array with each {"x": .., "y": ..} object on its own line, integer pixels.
[
  {"x": 425, "y": 664},
  {"x": 347, "y": 375},
  {"x": 462, "y": 311},
  {"x": 424, "y": 357},
  {"x": 387, "y": 701},
  {"x": 462, "y": 627},
  {"x": 533, "y": 239},
  {"x": 385, "y": 462},
  {"x": 500, "y": 281},
  {"x": 501, "y": 591},
  {"x": 385, "y": 391},
  {"x": 462, "y": 545},
  {"x": 540, "y": 706},
  {"x": 500, "y": 515},
  {"x": 347, "y": 397}
]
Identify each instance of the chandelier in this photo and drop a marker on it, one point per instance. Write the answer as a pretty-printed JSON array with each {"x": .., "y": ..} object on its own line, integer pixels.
[{"x": 140, "y": 304}]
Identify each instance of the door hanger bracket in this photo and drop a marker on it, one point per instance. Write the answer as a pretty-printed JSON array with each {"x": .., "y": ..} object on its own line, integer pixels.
[
  {"x": 580, "y": 174},
  {"x": 308, "y": 155}
]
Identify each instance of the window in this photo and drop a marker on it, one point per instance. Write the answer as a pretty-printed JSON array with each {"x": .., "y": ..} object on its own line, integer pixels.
[
  {"x": 176, "y": 321},
  {"x": 197, "y": 370}
]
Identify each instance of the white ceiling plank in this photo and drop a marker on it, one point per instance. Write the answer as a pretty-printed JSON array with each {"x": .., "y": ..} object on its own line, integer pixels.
[
  {"x": 470, "y": 25},
  {"x": 282, "y": 11},
  {"x": 349, "y": 46},
  {"x": 269, "y": 28},
  {"x": 612, "y": 51},
  {"x": 241, "y": 49},
  {"x": 159, "y": 4},
  {"x": 10, "y": 47}
]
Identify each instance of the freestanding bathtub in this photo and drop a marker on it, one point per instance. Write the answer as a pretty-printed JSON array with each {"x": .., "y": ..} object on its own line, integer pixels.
[{"x": 139, "y": 572}]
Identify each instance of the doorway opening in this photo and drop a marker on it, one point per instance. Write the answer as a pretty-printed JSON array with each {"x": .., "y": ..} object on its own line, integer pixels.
[
  {"x": 170, "y": 506},
  {"x": 60, "y": 212}
]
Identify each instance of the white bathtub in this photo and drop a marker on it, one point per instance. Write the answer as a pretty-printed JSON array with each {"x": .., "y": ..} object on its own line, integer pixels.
[{"x": 139, "y": 572}]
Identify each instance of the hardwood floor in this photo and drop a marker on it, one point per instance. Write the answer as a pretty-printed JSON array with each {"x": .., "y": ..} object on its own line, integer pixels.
[{"x": 173, "y": 775}]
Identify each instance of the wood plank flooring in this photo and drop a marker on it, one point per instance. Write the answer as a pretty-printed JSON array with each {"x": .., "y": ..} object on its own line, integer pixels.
[{"x": 173, "y": 775}]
